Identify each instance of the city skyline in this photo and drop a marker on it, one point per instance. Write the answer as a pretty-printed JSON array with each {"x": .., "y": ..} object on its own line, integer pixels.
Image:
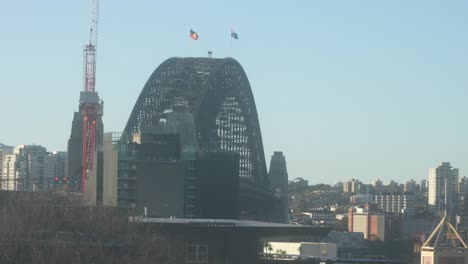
[
  {"x": 403, "y": 181},
  {"x": 374, "y": 92}
]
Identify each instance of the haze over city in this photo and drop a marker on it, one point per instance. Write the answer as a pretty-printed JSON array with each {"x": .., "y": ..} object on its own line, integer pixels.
[{"x": 345, "y": 91}]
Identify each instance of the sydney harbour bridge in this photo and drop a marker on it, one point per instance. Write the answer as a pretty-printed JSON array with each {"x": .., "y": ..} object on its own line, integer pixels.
[{"x": 217, "y": 93}]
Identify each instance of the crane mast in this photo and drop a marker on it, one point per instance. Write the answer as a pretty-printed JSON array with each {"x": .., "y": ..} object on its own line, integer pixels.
[
  {"x": 90, "y": 104},
  {"x": 91, "y": 49}
]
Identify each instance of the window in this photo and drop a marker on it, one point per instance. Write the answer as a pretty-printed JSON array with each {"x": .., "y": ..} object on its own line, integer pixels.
[{"x": 196, "y": 253}]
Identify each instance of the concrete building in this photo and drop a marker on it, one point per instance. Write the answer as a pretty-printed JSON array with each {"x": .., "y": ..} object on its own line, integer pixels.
[
  {"x": 9, "y": 176},
  {"x": 30, "y": 165},
  {"x": 323, "y": 251},
  {"x": 75, "y": 154},
  {"x": 438, "y": 178},
  {"x": 373, "y": 224},
  {"x": 110, "y": 170},
  {"x": 2, "y": 156},
  {"x": 319, "y": 217},
  {"x": 415, "y": 226},
  {"x": 224, "y": 241},
  {"x": 4, "y": 151},
  {"x": 23, "y": 168},
  {"x": 395, "y": 203},
  {"x": 410, "y": 186},
  {"x": 75, "y": 147},
  {"x": 346, "y": 241},
  {"x": 394, "y": 186},
  {"x": 463, "y": 185},
  {"x": 55, "y": 167},
  {"x": 361, "y": 199},
  {"x": 424, "y": 186},
  {"x": 353, "y": 186},
  {"x": 377, "y": 184}
]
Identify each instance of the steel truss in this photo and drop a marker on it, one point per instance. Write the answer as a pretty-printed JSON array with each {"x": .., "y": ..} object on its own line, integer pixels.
[{"x": 218, "y": 94}]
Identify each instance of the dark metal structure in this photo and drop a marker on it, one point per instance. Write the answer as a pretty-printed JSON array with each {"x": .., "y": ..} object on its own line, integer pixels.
[
  {"x": 278, "y": 176},
  {"x": 224, "y": 241},
  {"x": 218, "y": 94}
]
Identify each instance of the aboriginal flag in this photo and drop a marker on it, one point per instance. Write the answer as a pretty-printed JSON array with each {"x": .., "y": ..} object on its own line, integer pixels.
[{"x": 193, "y": 35}]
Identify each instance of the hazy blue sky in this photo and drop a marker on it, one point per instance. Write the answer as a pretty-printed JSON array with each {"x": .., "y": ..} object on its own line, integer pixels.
[{"x": 366, "y": 89}]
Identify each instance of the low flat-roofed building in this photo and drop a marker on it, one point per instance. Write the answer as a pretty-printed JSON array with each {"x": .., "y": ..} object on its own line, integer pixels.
[{"x": 224, "y": 241}]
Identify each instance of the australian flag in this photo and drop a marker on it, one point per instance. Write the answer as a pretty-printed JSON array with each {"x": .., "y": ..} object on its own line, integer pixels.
[{"x": 234, "y": 34}]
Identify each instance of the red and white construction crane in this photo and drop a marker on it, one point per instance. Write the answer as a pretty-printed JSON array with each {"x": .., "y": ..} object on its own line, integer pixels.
[{"x": 90, "y": 104}]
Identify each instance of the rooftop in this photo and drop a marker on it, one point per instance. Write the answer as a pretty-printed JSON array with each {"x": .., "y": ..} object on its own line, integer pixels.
[{"x": 258, "y": 227}]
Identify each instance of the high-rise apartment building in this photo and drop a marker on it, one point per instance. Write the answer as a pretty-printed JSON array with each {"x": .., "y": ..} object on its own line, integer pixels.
[
  {"x": 463, "y": 185},
  {"x": 353, "y": 186},
  {"x": 443, "y": 188},
  {"x": 395, "y": 186},
  {"x": 30, "y": 167},
  {"x": 410, "y": 186},
  {"x": 424, "y": 186},
  {"x": 377, "y": 184},
  {"x": 4, "y": 151},
  {"x": 9, "y": 175}
]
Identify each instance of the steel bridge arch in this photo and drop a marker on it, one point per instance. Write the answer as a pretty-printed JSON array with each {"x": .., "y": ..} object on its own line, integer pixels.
[{"x": 218, "y": 95}]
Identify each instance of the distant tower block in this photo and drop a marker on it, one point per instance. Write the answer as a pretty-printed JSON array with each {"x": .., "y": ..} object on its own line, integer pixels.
[
  {"x": 443, "y": 182},
  {"x": 278, "y": 176}
]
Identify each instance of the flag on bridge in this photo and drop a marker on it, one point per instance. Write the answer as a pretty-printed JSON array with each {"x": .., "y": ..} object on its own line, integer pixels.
[
  {"x": 193, "y": 35},
  {"x": 234, "y": 34}
]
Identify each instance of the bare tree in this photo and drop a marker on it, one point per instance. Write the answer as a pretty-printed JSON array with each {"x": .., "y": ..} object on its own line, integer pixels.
[{"x": 48, "y": 228}]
